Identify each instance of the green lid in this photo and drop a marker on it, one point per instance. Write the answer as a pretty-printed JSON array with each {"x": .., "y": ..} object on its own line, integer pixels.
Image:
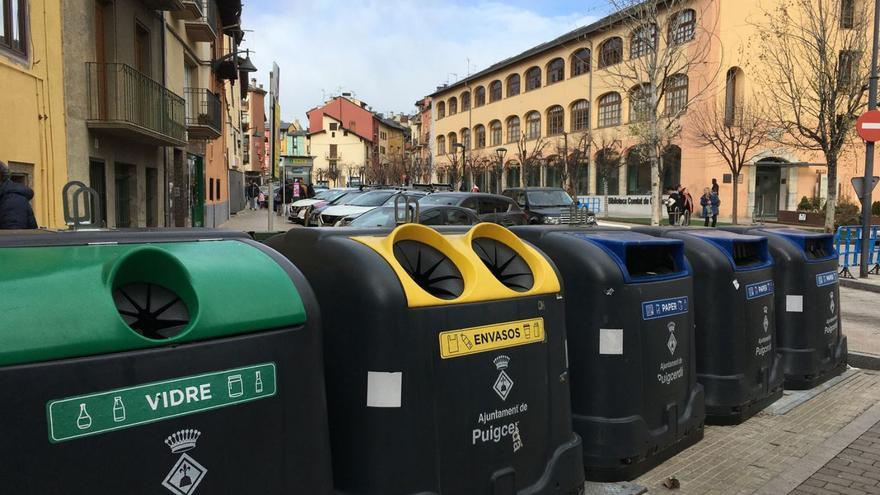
[{"x": 58, "y": 302}]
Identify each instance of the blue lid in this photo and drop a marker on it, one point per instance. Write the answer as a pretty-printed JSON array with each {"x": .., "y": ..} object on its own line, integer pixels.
[
  {"x": 640, "y": 257},
  {"x": 815, "y": 246},
  {"x": 745, "y": 252}
]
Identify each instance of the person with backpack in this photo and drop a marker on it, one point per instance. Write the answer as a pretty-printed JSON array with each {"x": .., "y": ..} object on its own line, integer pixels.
[{"x": 15, "y": 203}]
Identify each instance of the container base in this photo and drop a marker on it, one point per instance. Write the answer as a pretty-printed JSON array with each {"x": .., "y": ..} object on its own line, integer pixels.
[
  {"x": 806, "y": 382},
  {"x": 632, "y": 471},
  {"x": 729, "y": 416}
]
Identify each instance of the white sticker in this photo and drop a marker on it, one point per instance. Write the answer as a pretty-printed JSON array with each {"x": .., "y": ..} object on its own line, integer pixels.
[
  {"x": 736, "y": 284},
  {"x": 611, "y": 341},
  {"x": 384, "y": 389},
  {"x": 794, "y": 304}
]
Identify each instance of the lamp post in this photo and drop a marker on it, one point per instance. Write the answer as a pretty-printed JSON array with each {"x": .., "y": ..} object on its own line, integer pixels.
[
  {"x": 463, "y": 165},
  {"x": 500, "y": 152}
]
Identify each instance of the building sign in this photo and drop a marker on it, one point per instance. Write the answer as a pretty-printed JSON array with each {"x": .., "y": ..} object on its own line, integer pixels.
[{"x": 619, "y": 206}]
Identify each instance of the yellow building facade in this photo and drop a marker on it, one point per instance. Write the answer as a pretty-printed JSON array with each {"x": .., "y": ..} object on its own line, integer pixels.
[
  {"x": 32, "y": 131},
  {"x": 566, "y": 94}
]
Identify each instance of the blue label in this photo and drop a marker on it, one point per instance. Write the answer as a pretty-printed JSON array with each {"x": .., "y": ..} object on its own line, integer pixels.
[
  {"x": 760, "y": 289},
  {"x": 665, "y": 307},
  {"x": 827, "y": 278}
]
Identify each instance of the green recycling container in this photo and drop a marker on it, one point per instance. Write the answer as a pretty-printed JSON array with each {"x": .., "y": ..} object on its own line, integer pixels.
[{"x": 175, "y": 362}]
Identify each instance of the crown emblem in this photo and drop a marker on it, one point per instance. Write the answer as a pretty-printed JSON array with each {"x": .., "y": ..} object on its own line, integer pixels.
[
  {"x": 501, "y": 362},
  {"x": 766, "y": 310},
  {"x": 671, "y": 326},
  {"x": 183, "y": 441}
]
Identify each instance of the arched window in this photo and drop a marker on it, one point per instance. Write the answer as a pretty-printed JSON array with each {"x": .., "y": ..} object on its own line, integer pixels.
[
  {"x": 480, "y": 135},
  {"x": 580, "y": 115},
  {"x": 441, "y": 145},
  {"x": 682, "y": 26},
  {"x": 643, "y": 40},
  {"x": 494, "y": 91},
  {"x": 639, "y": 103},
  {"x": 441, "y": 110},
  {"x": 555, "y": 120},
  {"x": 479, "y": 96},
  {"x": 607, "y": 171},
  {"x": 676, "y": 94},
  {"x": 580, "y": 62},
  {"x": 555, "y": 71},
  {"x": 671, "y": 166},
  {"x": 733, "y": 95},
  {"x": 533, "y": 78},
  {"x": 452, "y": 139},
  {"x": 512, "y": 129},
  {"x": 495, "y": 130},
  {"x": 533, "y": 125},
  {"x": 847, "y": 14},
  {"x": 609, "y": 110},
  {"x": 453, "y": 106},
  {"x": 610, "y": 52},
  {"x": 513, "y": 85},
  {"x": 465, "y": 138},
  {"x": 638, "y": 171},
  {"x": 465, "y": 101}
]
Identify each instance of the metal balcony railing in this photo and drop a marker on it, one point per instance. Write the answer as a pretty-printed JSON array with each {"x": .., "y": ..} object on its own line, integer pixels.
[
  {"x": 127, "y": 102},
  {"x": 203, "y": 117}
]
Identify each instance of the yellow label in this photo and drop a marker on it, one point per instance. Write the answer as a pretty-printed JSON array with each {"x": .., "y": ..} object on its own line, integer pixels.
[{"x": 467, "y": 341}]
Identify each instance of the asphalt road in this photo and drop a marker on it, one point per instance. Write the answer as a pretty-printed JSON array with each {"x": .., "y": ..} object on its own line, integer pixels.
[{"x": 861, "y": 320}]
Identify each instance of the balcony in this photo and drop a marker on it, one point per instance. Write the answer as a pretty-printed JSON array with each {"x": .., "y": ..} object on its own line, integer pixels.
[
  {"x": 203, "y": 24},
  {"x": 127, "y": 103},
  {"x": 203, "y": 116},
  {"x": 169, "y": 5}
]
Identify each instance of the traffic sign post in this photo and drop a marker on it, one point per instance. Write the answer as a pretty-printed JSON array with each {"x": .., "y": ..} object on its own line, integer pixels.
[
  {"x": 859, "y": 185},
  {"x": 868, "y": 127}
]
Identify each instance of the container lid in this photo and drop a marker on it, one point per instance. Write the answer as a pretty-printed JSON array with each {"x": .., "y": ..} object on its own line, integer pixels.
[
  {"x": 641, "y": 257},
  {"x": 745, "y": 252},
  {"x": 815, "y": 246}
]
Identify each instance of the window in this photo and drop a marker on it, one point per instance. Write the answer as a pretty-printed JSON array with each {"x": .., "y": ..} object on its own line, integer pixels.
[
  {"x": 333, "y": 126},
  {"x": 457, "y": 217},
  {"x": 609, "y": 110},
  {"x": 218, "y": 189},
  {"x": 580, "y": 62},
  {"x": 732, "y": 95},
  {"x": 512, "y": 129},
  {"x": 580, "y": 115},
  {"x": 211, "y": 189},
  {"x": 643, "y": 40},
  {"x": 441, "y": 110},
  {"x": 555, "y": 71},
  {"x": 847, "y": 13},
  {"x": 479, "y": 96},
  {"x": 14, "y": 26},
  {"x": 480, "y": 135},
  {"x": 453, "y": 106},
  {"x": 452, "y": 138},
  {"x": 639, "y": 103},
  {"x": 494, "y": 91},
  {"x": 682, "y": 26},
  {"x": 334, "y": 151},
  {"x": 381, "y": 150},
  {"x": 676, "y": 94},
  {"x": 847, "y": 65},
  {"x": 610, "y": 52},
  {"x": 513, "y": 85},
  {"x": 495, "y": 129},
  {"x": 533, "y": 78},
  {"x": 466, "y": 138},
  {"x": 441, "y": 145},
  {"x": 555, "y": 120},
  {"x": 465, "y": 101},
  {"x": 533, "y": 125}
]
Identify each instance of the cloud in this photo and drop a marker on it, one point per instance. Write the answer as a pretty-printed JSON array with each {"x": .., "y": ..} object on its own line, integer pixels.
[{"x": 389, "y": 53}]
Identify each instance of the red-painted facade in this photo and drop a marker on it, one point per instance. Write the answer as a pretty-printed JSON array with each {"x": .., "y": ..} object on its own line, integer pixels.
[{"x": 354, "y": 118}]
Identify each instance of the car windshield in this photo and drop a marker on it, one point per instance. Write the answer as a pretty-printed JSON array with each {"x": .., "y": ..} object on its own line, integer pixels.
[
  {"x": 373, "y": 198},
  {"x": 439, "y": 199},
  {"x": 328, "y": 195},
  {"x": 346, "y": 198},
  {"x": 410, "y": 196},
  {"x": 380, "y": 217},
  {"x": 549, "y": 198}
]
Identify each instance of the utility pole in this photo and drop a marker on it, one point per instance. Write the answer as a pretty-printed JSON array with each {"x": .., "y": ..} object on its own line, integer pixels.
[
  {"x": 273, "y": 135},
  {"x": 869, "y": 153}
]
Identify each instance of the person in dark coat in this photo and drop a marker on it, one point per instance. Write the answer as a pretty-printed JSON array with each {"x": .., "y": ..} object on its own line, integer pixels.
[
  {"x": 671, "y": 203},
  {"x": 310, "y": 191},
  {"x": 710, "y": 203},
  {"x": 15, "y": 203}
]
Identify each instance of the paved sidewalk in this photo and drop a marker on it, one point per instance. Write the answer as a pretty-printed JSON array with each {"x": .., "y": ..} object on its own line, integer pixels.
[
  {"x": 256, "y": 221},
  {"x": 854, "y": 471},
  {"x": 860, "y": 315}
]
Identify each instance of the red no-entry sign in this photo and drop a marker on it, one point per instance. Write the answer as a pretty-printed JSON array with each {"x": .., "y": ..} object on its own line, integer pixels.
[{"x": 868, "y": 126}]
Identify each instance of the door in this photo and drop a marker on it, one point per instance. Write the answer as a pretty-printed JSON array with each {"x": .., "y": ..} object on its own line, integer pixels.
[
  {"x": 152, "y": 197},
  {"x": 98, "y": 182},
  {"x": 126, "y": 188},
  {"x": 767, "y": 187},
  {"x": 197, "y": 192}
]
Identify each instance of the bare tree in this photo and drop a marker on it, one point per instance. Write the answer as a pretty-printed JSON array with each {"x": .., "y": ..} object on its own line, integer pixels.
[
  {"x": 529, "y": 157},
  {"x": 608, "y": 160},
  {"x": 453, "y": 168},
  {"x": 814, "y": 62},
  {"x": 736, "y": 134},
  {"x": 666, "y": 43}
]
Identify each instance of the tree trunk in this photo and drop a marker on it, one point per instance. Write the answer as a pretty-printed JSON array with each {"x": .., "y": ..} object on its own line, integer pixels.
[
  {"x": 656, "y": 192},
  {"x": 831, "y": 203},
  {"x": 734, "y": 203},
  {"x": 605, "y": 194}
]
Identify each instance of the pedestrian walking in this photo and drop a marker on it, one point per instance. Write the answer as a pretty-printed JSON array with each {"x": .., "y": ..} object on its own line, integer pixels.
[
  {"x": 710, "y": 203},
  {"x": 715, "y": 185},
  {"x": 475, "y": 189},
  {"x": 310, "y": 191},
  {"x": 671, "y": 202},
  {"x": 252, "y": 192},
  {"x": 688, "y": 210},
  {"x": 15, "y": 203},
  {"x": 260, "y": 199}
]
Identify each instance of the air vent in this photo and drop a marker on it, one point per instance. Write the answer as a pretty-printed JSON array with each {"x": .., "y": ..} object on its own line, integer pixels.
[
  {"x": 652, "y": 260},
  {"x": 507, "y": 266},
  {"x": 151, "y": 310},
  {"x": 747, "y": 254},
  {"x": 430, "y": 269}
]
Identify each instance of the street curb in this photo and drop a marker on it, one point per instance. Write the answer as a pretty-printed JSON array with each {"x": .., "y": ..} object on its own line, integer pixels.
[
  {"x": 863, "y": 361},
  {"x": 789, "y": 480},
  {"x": 856, "y": 284}
]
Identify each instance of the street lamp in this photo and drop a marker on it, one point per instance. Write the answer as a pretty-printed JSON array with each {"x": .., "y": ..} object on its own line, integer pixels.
[
  {"x": 463, "y": 165},
  {"x": 500, "y": 152}
]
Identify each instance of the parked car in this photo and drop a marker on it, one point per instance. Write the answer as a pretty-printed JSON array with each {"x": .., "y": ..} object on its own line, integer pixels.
[
  {"x": 340, "y": 215},
  {"x": 545, "y": 205},
  {"x": 492, "y": 208},
  {"x": 314, "y": 215},
  {"x": 428, "y": 215},
  {"x": 299, "y": 209}
]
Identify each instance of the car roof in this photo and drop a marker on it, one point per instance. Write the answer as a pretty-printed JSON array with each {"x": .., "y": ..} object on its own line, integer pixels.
[
  {"x": 462, "y": 194},
  {"x": 534, "y": 189}
]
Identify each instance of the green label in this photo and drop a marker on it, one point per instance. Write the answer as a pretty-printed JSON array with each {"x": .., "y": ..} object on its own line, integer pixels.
[{"x": 87, "y": 415}]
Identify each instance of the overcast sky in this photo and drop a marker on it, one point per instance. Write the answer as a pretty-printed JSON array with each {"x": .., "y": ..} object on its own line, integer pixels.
[{"x": 390, "y": 53}]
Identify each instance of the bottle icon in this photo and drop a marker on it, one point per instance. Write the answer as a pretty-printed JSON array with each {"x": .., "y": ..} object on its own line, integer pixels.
[
  {"x": 84, "y": 421},
  {"x": 118, "y": 410},
  {"x": 259, "y": 385}
]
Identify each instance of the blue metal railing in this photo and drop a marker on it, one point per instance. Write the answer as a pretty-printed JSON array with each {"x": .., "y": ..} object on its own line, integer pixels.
[{"x": 848, "y": 242}]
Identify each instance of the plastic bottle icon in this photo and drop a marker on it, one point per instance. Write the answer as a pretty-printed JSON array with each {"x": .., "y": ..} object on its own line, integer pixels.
[
  {"x": 118, "y": 410},
  {"x": 84, "y": 421},
  {"x": 259, "y": 385}
]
